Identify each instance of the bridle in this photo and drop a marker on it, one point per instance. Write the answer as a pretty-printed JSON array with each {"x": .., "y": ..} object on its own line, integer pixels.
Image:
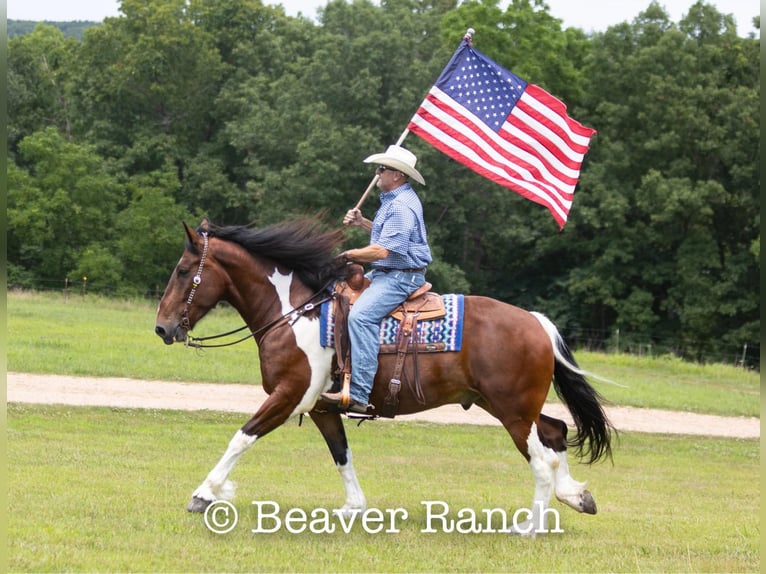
[
  {"x": 195, "y": 283},
  {"x": 293, "y": 315}
]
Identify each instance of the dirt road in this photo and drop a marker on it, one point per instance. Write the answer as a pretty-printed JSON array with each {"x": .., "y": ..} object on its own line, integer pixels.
[{"x": 132, "y": 393}]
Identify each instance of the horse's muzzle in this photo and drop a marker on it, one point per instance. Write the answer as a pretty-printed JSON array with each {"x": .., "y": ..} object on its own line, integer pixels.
[{"x": 169, "y": 335}]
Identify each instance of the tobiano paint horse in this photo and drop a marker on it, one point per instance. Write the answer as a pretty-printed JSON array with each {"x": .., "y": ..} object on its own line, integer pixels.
[{"x": 506, "y": 363}]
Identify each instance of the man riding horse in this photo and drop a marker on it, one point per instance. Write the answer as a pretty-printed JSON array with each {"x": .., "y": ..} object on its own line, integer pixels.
[{"x": 398, "y": 253}]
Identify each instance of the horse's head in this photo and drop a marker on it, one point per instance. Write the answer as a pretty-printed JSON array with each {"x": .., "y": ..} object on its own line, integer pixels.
[{"x": 195, "y": 287}]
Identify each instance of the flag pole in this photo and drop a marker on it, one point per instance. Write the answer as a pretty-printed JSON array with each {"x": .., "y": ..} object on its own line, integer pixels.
[{"x": 468, "y": 38}]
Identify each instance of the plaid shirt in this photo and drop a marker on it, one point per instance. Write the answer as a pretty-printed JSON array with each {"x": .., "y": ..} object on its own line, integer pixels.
[{"x": 399, "y": 227}]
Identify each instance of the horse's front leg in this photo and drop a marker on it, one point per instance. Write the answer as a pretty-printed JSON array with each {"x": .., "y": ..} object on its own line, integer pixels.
[
  {"x": 216, "y": 485},
  {"x": 334, "y": 433},
  {"x": 274, "y": 411}
]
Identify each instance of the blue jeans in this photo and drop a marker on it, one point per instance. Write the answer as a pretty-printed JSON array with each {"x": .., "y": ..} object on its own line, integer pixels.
[{"x": 384, "y": 294}]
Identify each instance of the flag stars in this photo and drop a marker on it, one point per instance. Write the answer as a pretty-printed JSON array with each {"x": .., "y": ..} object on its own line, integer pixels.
[{"x": 484, "y": 90}]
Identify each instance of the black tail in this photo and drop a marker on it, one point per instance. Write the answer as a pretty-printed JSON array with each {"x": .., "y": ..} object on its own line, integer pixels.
[{"x": 594, "y": 431}]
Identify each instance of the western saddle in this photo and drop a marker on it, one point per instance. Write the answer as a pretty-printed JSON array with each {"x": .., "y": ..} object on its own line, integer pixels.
[{"x": 421, "y": 305}]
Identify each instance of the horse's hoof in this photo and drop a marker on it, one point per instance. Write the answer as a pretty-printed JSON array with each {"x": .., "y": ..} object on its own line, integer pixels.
[
  {"x": 588, "y": 502},
  {"x": 198, "y": 504}
]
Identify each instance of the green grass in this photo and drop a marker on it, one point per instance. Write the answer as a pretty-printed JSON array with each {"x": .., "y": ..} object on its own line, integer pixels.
[
  {"x": 99, "y": 489},
  {"x": 667, "y": 382},
  {"x": 100, "y": 337},
  {"x": 94, "y": 336}
]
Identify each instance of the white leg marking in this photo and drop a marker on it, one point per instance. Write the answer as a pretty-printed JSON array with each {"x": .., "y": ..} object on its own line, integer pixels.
[
  {"x": 307, "y": 338},
  {"x": 542, "y": 461},
  {"x": 568, "y": 490},
  {"x": 216, "y": 486},
  {"x": 355, "y": 500}
]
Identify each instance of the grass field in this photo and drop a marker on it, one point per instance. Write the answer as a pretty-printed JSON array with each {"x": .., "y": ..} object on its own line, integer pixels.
[
  {"x": 104, "y": 490},
  {"x": 93, "y": 336}
]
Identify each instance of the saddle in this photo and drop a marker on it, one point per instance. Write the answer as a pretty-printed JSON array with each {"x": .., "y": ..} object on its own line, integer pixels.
[{"x": 422, "y": 304}]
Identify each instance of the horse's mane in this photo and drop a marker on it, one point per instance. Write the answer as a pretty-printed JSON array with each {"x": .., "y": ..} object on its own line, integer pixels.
[{"x": 303, "y": 245}]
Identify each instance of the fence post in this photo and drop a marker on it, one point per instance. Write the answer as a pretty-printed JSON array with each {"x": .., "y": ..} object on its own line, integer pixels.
[
  {"x": 84, "y": 285},
  {"x": 66, "y": 289},
  {"x": 744, "y": 355}
]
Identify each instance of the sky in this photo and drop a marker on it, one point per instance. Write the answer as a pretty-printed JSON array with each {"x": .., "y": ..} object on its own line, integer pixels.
[{"x": 589, "y": 15}]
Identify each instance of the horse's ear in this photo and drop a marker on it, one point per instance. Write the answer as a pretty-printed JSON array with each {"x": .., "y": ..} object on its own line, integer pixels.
[
  {"x": 190, "y": 233},
  {"x": 204, "y": 224}
]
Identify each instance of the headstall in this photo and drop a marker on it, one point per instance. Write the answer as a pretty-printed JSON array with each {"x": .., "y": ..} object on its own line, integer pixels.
[{"x": 293, "y": 315}]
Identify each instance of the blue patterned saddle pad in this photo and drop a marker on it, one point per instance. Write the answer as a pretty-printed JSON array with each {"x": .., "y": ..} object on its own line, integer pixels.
[{"x": 447, "y": 330}]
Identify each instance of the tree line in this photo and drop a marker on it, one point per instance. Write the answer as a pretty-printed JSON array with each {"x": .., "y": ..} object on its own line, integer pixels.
[
  {"x": 74, "y": 28},
  {"x": 231, "y": 109}
]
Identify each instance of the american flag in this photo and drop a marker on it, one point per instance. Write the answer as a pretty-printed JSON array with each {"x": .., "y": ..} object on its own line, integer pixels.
[{"x": 505, "y": 129}]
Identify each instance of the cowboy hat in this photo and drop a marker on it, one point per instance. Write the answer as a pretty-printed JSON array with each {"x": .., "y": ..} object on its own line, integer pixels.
[{"x": 400, "y": 159}]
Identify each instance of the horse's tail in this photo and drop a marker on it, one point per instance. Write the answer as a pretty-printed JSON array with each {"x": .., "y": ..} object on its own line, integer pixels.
[{"x": 594, "y": 431}]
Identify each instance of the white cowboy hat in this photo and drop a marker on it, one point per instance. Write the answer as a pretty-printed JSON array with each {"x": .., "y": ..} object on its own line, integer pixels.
[{"x": 400, "y": 159}]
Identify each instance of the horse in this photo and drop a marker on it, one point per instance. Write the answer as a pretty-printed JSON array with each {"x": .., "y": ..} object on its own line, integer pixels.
[{"x": 273, "y": 276}]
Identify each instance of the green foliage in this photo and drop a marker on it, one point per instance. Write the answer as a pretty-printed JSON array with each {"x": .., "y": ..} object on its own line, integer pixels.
[
  {"x": 65, "y": 204},
  {"x": 232, "y": 109},
  {"x": 148, "y": 236},
  {"x": 676, "y": 102},
  {"x": 39, "y": 79}
]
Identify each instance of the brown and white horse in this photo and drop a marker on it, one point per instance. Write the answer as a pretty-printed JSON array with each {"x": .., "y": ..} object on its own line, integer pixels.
[{"x": 272, "y": 276}]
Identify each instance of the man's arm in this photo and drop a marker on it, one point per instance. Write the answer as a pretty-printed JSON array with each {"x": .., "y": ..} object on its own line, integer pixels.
[{"x": 366, "y": 254}]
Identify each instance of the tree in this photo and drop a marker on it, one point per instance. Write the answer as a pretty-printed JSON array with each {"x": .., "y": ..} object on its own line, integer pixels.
[
  {"x": 153, "y": 74},
  {"x": 62, "y": 205},
  {"x": 149, "y": 233},
  {"x": 39, "y": 81},
  {"x": 669, "y": 206}
]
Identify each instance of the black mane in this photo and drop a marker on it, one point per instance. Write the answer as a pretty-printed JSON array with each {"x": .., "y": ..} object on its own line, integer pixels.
[{"x": 301, "y": 245}]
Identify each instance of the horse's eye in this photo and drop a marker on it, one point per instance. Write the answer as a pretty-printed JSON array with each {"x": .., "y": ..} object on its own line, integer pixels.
[{"x": 182, "y": 272}]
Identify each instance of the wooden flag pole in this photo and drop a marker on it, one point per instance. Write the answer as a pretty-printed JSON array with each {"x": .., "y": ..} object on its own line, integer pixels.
[{"x": 375, "y": 179}]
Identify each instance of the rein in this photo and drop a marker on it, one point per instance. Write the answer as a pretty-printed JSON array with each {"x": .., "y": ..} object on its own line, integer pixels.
[{"x": 296, "y": 313}]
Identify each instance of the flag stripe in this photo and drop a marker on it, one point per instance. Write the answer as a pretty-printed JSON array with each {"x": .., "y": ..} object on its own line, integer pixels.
[
  {"x": 555, "y": 110},
  {"x": 511, "y": 132},
  {"x": 470, "y": 158},
  {"x": 450, "y": 121},
  {"x": 566, "y": 164},
  {"x": 457, "y": 140},
  {"x": 540, "y": 160},
  {"x": 539, "y": 127}
]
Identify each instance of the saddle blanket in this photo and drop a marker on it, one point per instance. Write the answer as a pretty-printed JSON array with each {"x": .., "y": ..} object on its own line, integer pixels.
[{"x": 447, "y": 330}]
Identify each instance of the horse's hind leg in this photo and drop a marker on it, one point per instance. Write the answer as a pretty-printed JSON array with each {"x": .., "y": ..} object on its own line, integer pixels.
[
  {"x": 553, "y": 434},
  {"x": 542, "y": 461},
  {"x": 544, "y": 447},
  {"x": 541, "y": 458},
  {"x": 331, "y": 427}
]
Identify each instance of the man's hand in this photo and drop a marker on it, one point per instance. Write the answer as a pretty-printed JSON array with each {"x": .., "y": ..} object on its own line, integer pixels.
[{"x": 353, "y": 217}]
